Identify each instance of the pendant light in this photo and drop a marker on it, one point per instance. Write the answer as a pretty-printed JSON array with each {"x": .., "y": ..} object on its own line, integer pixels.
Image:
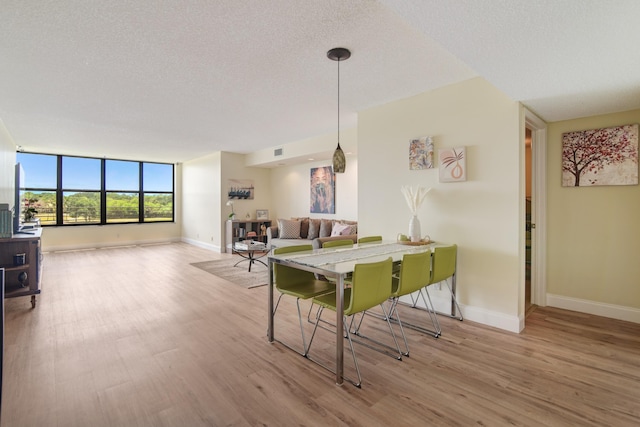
[{"x": 339, "y": 161}]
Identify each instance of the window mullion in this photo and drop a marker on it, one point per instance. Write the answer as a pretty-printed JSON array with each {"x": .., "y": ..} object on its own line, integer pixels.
[{"x": 103, "y": 193}]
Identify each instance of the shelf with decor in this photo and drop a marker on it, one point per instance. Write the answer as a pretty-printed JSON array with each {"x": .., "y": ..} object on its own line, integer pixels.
[{"x": 238, "y": 230}]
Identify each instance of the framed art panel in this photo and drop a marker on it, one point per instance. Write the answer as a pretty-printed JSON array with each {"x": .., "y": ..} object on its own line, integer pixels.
[
  {"x": 323, "y": 190},
  {"x": 607, "y": 156},
  {"x": 262, "y": 214},
  {"x": 241, "y": 189},
  {"x": 453, "y": 164},
  {"x": 421, "y": 153}
]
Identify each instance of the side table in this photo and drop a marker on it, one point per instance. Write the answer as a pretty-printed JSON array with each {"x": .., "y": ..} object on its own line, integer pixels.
[{"x": 251, "y": 255}]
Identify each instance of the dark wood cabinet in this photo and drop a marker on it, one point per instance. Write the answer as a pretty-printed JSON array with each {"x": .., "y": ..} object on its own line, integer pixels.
[{"x": 21, "y": 258}]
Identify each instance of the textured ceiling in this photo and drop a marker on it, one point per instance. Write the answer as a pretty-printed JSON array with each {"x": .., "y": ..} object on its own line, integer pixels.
[{"x": 174, "y": 80}]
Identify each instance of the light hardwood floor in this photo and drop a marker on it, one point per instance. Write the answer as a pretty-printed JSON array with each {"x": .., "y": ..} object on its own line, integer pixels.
[{"x": 137, "y": 337}]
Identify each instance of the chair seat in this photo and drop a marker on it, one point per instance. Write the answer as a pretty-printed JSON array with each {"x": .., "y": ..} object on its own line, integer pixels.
[
  {"x": 329, "y": 300},
  {"x": 371, "y": 287},
  {"x": 308, "y": 289}
]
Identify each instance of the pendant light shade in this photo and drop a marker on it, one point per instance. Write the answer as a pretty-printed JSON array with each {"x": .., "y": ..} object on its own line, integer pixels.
[{"x": 339, "y": 162}]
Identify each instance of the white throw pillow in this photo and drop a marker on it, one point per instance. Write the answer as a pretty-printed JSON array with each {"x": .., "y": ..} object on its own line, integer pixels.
[{"x": 340, "y": 229}]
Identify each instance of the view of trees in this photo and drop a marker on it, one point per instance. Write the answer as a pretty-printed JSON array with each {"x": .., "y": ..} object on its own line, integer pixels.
[
  {"x": 591, "y": 151},
  {"x": 84, "y": 207}
]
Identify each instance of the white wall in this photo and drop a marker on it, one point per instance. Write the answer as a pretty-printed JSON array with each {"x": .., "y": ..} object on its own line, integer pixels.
[
  {"x": 290, "y": 185},
  {"x": 7, "y": 163},
  {"x": 481, "y": 215}
]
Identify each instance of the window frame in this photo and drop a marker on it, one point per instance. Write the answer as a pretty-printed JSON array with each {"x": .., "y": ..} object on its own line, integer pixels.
[{"x": 59, "y": 192}]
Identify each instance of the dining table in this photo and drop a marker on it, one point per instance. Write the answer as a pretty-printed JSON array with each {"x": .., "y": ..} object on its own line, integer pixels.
[{"x": 338, "y": 263}]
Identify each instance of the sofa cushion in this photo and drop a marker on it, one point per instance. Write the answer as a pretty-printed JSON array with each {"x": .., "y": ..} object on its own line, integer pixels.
[
  {"x": 304, "y": 226},
  {"x": 340, "y": 229},
  {"x": 314, "y": 229},
  {"x": 326, "y": 225},
  {"x": 279, "y": 243},
  {"x": 288, "y": 229},
  {"x": 353, "y": 224}
]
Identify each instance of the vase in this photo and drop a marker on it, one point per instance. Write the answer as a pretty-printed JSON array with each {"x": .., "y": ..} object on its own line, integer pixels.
[{"x": 414, "y": 229}]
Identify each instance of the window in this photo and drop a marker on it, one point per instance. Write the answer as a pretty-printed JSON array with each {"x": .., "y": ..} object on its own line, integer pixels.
[
  {"x": 158, "y": 192},
  {"x": 122, "y": 184},
  {"x": 82, "y": 190},
  {"x": 41, "y": 183}
]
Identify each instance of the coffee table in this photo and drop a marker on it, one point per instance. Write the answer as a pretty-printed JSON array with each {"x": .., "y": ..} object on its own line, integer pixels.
[{"x": 251, "y": 255}]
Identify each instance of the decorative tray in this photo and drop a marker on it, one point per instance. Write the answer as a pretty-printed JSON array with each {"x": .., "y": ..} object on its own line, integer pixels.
[{"x": 420, "y": 243}]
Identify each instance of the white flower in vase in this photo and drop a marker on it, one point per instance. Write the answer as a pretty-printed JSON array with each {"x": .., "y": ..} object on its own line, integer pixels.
[{"x": 414, "y": 197}]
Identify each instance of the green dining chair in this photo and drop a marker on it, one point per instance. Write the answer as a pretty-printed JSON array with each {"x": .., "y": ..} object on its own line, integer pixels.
[
  {"x": 299, "y": 284},
  {"x": 443, "y": 267},
  {"x": 414, "y": 273},
  {"x": 371, "y": 287},
  {"x": 337, "y": 243},
  {"x": 411, "y": 277},
  {"x": 370, "y": 239}
]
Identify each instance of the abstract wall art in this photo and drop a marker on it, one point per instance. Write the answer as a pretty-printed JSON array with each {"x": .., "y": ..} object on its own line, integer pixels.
[
  {"x": 453, "y": 164},
  {"x": 421, "y": 153},
  {"x": 323, "y": 190}
]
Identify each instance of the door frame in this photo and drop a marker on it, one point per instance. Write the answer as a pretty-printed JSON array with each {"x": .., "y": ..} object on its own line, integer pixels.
[{"x": 538, "y": 207}]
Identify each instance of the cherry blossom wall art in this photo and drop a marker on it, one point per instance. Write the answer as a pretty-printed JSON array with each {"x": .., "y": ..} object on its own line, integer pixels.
[{"x": 607, "y": 156}]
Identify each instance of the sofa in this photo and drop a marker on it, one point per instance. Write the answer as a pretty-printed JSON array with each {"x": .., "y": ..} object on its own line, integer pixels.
[{"x": 301, "y": 231}]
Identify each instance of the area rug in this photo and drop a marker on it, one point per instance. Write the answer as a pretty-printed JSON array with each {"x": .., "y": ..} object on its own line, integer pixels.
[{"x": 223, "y": 268}]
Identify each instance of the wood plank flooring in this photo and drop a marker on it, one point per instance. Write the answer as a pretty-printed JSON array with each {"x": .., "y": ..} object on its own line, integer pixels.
[{"x": 135, "y": 336}]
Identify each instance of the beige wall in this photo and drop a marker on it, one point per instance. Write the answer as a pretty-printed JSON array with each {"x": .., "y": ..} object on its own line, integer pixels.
[
  {"x": 593, "y": 234},
  {"x": 233, "y": 167},
  {"x": 201, "y": 201},
  {"x": 96, "y": 236},
  {"x": 481, "y": 215},
  {"x": 290, "y": 185},
  {"x": 90, "y": 236},
  {"x": 204, "y": 192}
]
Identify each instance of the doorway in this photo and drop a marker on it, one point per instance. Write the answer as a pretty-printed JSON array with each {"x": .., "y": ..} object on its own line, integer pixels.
[
  {"x": 528, "y": 224},
  {"x": 534, "y": 222}
]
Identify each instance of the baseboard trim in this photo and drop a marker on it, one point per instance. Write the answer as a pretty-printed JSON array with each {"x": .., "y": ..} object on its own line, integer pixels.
[
  {"x": 215, "y": 248},
  {"x": 475, "y": 314},
  {"x": 619, "y": 312},
  {"x": 90, "y": 246}
]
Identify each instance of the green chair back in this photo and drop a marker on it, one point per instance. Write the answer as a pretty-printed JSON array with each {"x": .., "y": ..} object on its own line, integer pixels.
[
  {"x": 415, "y": 272},
  {"x": 335, "y": 243},
  {"x": 369, "y": 239},
  {"x": 443, "y": 263},
  {"x": 371, "y": 286},
  {"x": 285, "y": 276}
]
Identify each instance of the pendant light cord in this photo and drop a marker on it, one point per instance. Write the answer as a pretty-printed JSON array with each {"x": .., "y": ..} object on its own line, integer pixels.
[{"x": 338, "y": 102}]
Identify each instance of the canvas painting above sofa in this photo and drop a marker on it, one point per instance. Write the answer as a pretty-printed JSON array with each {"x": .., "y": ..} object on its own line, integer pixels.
[{"x": 300, "y": 231}]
